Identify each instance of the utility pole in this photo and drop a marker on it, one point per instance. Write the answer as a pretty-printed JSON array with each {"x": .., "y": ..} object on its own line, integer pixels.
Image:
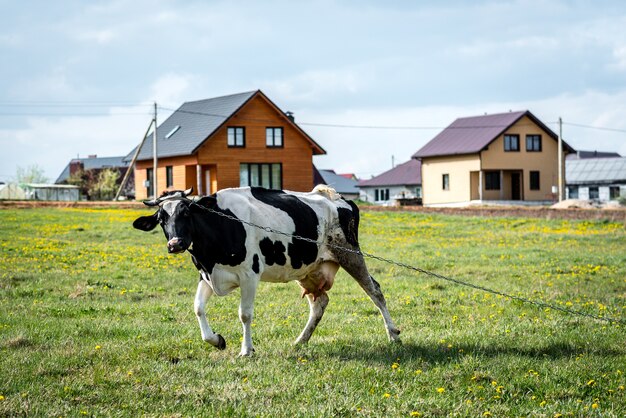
[
  {"x": 155, "y": 183},
  {"x": 560, "y": 159},
  {"x": 131, "y": 167}
]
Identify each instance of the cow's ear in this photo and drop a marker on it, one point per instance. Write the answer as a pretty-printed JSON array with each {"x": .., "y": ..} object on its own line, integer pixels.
[
  {"x": 146, "y": 223},
  {"x": 208, "y": 201}
]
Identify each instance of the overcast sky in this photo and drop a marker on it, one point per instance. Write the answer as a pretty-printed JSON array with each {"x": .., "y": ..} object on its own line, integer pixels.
[{"x": 80, "y": 77}]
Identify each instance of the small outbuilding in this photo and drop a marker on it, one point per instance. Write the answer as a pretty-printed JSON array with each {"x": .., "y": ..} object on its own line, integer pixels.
[
  {"x": 399, "y": 186},
  {"x": 601, "y": 179},
  {"x": 55, "y": 192}
]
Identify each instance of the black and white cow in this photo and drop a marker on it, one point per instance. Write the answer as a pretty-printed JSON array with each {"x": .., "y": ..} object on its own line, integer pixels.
[{"x": 230, "y": 254}]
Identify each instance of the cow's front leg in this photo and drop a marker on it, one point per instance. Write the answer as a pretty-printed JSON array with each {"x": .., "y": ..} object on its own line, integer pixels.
[
  {"x": 246, "y": 313},
  {"x": 203, "y": 293}
]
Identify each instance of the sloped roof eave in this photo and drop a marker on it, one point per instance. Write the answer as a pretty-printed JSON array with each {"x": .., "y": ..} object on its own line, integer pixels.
[
  {"x": 453, "y": 154},
  {"x": 388, "y": 184}
]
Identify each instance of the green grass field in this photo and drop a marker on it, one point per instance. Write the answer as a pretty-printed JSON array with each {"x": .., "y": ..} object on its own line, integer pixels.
[{"x": 97, "y": 319}]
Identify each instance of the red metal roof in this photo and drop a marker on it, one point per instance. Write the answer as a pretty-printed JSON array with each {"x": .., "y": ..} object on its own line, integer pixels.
[
  {"x": 472, "y": 134},
  {"x": 408, "y": 173}
]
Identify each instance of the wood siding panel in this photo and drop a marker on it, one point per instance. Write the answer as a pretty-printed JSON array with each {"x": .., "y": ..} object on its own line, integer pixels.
[{"x": 296, "y": 155}]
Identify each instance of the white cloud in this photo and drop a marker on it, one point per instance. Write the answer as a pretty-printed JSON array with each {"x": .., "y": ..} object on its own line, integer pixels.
[
  {"x": 314, "y": 86},
  {"x": 102, "y": 37},
  {"x": 172, "y": 89}
]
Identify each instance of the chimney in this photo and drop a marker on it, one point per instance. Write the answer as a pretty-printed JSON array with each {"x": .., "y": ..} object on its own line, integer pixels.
[
  {"x": 92, "y": 156},
  {"x": 75, "y": 166},
  {"x": 290, "y": 116}
]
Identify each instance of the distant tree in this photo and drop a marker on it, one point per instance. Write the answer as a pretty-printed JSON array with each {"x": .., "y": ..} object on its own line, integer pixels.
[
  {"x": 30, "y": 174},
  {"x": 83, "y": 179},
  {"x": 105, "y": 186}
]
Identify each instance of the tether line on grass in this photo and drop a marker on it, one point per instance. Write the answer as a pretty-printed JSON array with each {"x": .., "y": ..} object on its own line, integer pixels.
[{"x": 421, "y": 270}]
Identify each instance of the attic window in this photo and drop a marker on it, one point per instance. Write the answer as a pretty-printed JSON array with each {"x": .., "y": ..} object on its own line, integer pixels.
[{"x": 172, "y": 132}]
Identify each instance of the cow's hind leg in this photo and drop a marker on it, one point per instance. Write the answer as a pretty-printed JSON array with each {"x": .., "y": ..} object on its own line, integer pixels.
[
  {"x": 354, "y": 264},
  {"x": 317, "y": 305},
  {"x": 203, "y": 293}
]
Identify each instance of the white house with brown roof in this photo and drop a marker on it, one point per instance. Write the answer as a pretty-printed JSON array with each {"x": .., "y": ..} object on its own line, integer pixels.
[
  {"x": 401, "y": 183},
  {"x": 501, "y": 158}
]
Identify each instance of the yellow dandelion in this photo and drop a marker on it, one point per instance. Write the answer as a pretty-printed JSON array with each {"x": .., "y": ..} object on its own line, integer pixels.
[
  {"x": 416, "y": 414},
  {"x": 387, "y": 395},
  {"x": 591, "y": 382},
  {"x": 542, "y": 403},
  {"x": 441, "y": 390},
  {"x": 595, "y": 405},
  {"x": 98, "y": 347},
  {"x": 418, "y": 371},
  {"x": 395, "y": 366},
  {"x": 486, "y": 414},
  {"x": 1, "y": 398}
]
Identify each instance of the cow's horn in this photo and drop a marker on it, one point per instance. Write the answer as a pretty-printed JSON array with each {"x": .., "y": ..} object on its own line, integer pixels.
[
  {"x": 188, "y": 191},
  {"x": 151, "y": 203}
]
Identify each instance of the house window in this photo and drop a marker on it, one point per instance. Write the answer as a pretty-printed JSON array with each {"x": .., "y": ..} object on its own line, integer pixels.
[
  {"x": 149, "y": 182},
  {"x": 614, "y": 192},
  {"x": 381, "y": 195},
  {"x": 169, "y": 176},
  {"x": 269, "y": 176},
  {"x": 572, "y": 192},
  {"x": 418, "y": 192},
  {"x": 274, "y": 137},
  {"x": 445, "y": 181},
  {"x": 594, "y": 193},
  {"x": 533, "y": 143},
  {"x": 534, "y": 180},
  {"x": 236, "y": 136},
  {"x": 492, "y": 180},
  {"x": 172, "y": 132},
  {"x": 511, "y": 143}
]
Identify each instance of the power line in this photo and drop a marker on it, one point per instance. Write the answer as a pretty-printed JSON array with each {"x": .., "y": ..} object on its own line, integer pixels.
[
  {"x": 329, "y": 125},
  {"x": 96, "y": 104},
  {"x": 601, "y": 128}
]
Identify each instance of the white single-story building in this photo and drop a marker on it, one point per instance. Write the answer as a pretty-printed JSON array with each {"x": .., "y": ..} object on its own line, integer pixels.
[
  {"x": 601, "y": 179},
  {"x": 402, "y": 184}
]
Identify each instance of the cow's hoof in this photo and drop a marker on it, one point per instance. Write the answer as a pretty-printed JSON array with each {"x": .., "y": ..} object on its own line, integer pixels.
[
  {"x": 246, "y": 353},
  {"x": 221, "y": 343}
]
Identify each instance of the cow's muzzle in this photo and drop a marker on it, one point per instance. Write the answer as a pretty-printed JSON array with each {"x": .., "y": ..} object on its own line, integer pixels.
[{"x": 176, "y": 245}]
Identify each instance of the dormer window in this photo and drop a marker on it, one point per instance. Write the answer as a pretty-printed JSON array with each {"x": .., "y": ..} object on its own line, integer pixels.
[{"x": 172, "y": 132}]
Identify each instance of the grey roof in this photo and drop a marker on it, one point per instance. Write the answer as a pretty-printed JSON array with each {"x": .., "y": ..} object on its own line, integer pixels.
[
  {"x": 342, "y": 184},
  {"x": 596, "y": 171},
  {"x": 93, "y": 163},
  {"x": 405, "y": 174},
  {"x": 473, "y": 134},
  {"x": 592, "y": 154},
  {"x": 196, "y": 122}
]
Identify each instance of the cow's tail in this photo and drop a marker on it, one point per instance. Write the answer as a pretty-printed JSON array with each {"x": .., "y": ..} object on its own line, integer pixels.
[{"x": 327, "y": 191}]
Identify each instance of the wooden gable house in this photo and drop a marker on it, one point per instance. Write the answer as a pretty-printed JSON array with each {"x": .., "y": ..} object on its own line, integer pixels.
[{"x": 231, "y": 141}]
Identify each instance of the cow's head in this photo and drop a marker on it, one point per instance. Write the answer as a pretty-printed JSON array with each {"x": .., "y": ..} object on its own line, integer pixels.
[{"x": 174, "y": 215}]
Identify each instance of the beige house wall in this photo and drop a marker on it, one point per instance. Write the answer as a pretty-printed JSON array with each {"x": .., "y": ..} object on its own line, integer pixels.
[
  {"x": 458, "y": 169},
  {"x": 545, "y": 161}
]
